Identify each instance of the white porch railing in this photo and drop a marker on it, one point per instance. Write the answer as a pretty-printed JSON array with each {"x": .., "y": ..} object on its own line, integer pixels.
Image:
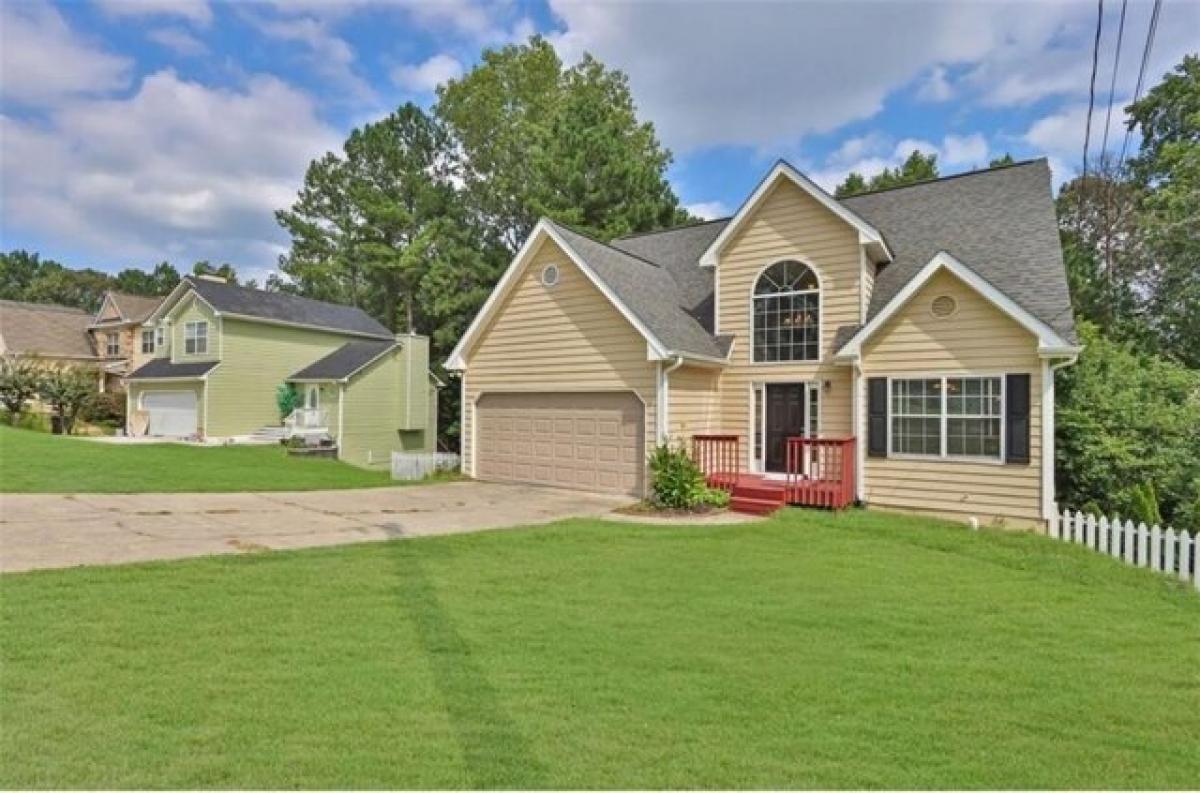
[
  {"x": 306, "y": 419},
  {"x": 1165, "y": 551}
]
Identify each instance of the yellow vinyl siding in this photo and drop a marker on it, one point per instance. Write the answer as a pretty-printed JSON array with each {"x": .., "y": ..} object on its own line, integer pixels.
[
  {"x": 977, "y": 339},
  {"x": 568, "y": 337},
  {"x": 695, "y": 400},
  {"x": 788, "y": 224}
]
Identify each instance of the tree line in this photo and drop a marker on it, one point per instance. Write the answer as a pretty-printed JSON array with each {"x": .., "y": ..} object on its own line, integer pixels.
[{"x": 27, "y": 276}]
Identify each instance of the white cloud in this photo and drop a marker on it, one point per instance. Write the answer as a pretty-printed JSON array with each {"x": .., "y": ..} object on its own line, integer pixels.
[
  {"x": 935, "y": 87},
  {"x": 42, "y": 60},
  {"x": 425, "y": 77},
  {"x": 709, "y": 210},
  {"x": 178, "y": 169},
  {"x": 968, "y": 150},
  {"x": 870, "y": 154},
  {"x": 328, "y": 54},
  {"x": 765, "y": 75},
  {"x": 197, "y": 11},
  {"x": 179, "y": 41}
]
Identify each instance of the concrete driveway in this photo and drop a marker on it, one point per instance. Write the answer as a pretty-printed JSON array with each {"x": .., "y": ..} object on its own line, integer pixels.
[{"x": 44, "y": 531}]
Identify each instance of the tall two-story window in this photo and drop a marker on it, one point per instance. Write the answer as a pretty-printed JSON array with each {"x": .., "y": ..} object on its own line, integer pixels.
[
  {"x": 147, "y": 341},
  {"x": 787, "y": 314},
  {"x": 195, "y": 338},
  {"x": 160, "y": 338},
  {"x": 112, "y": 344}
]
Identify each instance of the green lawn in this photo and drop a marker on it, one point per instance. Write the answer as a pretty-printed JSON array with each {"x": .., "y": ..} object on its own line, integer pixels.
[
  {"x": 34, "y": 462},
  {"x": 860, "y": 650}
]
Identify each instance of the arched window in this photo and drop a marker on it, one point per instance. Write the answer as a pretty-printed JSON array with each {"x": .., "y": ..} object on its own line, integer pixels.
[{"x": 787, "y": 313}]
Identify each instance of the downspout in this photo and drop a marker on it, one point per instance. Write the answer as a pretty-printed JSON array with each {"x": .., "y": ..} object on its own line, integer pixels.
[
  {"x": 663, "y": 410},
  {"x": 860, "y": 440},
  {"x": 1049, "y": 509}
]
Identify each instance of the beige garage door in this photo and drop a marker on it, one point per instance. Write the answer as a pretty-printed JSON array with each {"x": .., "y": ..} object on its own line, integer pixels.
[{"x": 586, "y": 441}]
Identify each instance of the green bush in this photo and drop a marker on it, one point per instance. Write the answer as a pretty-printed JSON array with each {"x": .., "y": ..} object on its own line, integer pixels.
[
  {"x": 287, "y": 399},
  {"x": 107, "y": 408},
  {"x": 679, "y": 482},
  {"x": 1128, "y": 434}
]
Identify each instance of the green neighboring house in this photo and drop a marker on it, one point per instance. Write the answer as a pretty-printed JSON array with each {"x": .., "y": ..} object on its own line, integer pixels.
[{"x": 222, "y": 351}]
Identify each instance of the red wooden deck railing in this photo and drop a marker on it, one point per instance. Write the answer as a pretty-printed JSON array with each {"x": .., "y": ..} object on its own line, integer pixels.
[
  {"x": 820, "y": 472},
  {"x": 719, "y": 457}
]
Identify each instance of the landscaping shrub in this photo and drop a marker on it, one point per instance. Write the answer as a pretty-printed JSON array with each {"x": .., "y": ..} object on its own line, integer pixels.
[
  {"x": 287, "y": 399},
  {"x": 107, "y": 409},
  {"x": 678, "y": 483}
]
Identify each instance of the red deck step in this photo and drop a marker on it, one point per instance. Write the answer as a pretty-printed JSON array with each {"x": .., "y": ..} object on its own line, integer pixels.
[{"x": 755, "y": 495}]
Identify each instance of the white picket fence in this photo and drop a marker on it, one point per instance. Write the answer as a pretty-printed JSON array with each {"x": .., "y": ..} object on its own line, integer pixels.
[
  {"x": 418, "y": 465},
  {"x": 1166, "y": 551}
]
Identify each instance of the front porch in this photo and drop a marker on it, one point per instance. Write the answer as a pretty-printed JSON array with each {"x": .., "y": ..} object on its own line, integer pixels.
[{"x": 817, "y": 472}]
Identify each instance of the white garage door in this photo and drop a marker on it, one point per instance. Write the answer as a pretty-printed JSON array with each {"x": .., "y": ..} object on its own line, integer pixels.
[
  {"x": 172, "y": 413},
  {"x": 586, "y": 441}
]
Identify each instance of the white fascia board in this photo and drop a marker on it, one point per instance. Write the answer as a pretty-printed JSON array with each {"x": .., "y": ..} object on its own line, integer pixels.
[
  {"x": 1048, "y": 338},
  {"x": 457, "y": 361},
  {"x": 868, "y": 235},
  {"x": 168, "y": 303}
]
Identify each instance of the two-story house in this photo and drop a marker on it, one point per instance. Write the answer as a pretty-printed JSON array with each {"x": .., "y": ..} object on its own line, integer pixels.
[
  {"x": 121, "y": 336},
  {"x": 896, "y": 348},
  {"x": 222, "y": 351}
]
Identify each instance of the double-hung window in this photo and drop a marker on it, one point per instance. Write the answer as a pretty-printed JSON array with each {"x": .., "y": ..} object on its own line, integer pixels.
[
  {"x": 195, "y": 338},
  {"x": 947, "y": 416},
  {"x": 160, "y": 338},
  {"x": 112, "y": 344},
  {"x": 147, "y": 341}
]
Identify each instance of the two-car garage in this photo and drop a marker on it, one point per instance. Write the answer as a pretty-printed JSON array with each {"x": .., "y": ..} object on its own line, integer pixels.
[{"x": 584, "y": 440}]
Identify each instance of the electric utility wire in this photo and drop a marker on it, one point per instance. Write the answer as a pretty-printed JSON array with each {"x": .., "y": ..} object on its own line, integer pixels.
[
  {"x": 1137, "y": 92},
  {"x": 1087, "y": 135},
  {"x": 1112, "y": 86}
]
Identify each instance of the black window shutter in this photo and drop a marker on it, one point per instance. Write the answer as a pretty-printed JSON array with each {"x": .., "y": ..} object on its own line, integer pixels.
[
  {"x": 1016, "y": 418},
  {"x": 877, "y": 428}
]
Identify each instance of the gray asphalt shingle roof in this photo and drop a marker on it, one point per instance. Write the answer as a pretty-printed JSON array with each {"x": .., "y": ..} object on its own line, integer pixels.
[
  {"x": 162, "y": 368},
  {"x": 649, "y": 291},
  {"x": 999, "y": 222},
  {"x": 344, "y": 361},
  {"x": 282, "y": 307}
]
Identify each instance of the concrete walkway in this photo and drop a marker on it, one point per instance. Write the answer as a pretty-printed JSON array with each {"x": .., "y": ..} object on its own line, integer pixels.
[{"x": 45, "y": 531}]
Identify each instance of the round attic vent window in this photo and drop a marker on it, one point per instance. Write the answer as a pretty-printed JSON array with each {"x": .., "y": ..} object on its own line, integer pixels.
[
  {"x": 550, "y": 275},
  {"x": 943, "y": 306}
]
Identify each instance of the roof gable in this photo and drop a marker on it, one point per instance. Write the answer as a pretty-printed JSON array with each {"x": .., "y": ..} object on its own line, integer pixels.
[
  {"x": 868, "y": 235},
  {"x": 1049, "y": 341},
  {"x": 645, "y": 294}
]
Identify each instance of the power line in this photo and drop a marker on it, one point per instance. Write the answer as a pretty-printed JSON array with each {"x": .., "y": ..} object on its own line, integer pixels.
[
  {"x": 1112, "y": 86},
  {"x": 1087, "y": 135},
  {"x": 1137, "y": 92}
]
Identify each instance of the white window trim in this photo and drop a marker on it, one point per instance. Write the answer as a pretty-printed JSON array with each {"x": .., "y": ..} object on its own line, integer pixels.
[
  {"x": 944, "y": 456},
  {"x": 112, "y": 343},
  {"x": 820, "y": 290},
  {"x": 153, "y": 341},
  {"x": 189, "y": 336}
]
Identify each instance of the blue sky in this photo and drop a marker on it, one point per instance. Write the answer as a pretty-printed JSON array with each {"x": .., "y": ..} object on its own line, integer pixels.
[{"x": 141, "y": 130}]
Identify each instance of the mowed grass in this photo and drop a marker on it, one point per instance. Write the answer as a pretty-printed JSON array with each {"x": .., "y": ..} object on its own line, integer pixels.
[
  {"x": 34, "y": 462},
  {"x": 857, "y": 650}
]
